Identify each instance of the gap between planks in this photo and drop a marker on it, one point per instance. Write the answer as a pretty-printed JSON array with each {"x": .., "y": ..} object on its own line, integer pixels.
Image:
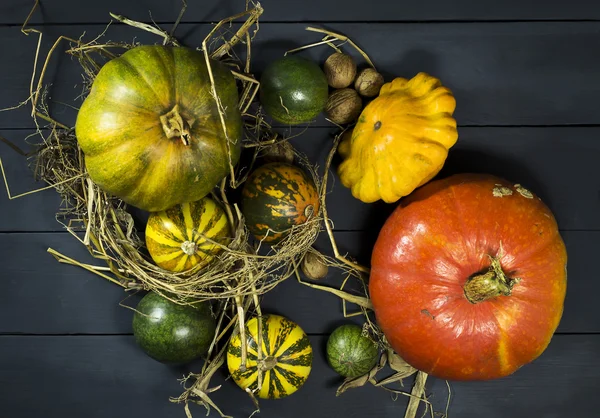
[{"x": 321, "y": 22}]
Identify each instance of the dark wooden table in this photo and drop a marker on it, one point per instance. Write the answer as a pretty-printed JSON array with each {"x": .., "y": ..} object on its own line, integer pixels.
[{"x": 526, "y": 78}]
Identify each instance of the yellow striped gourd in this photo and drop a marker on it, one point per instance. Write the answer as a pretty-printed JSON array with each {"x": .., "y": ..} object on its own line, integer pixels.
[
  {"x": 176, "y": 237},
  {"x": 285, "y": 357}
]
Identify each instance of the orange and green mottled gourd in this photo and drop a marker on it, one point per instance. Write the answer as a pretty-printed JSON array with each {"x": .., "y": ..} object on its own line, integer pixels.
[
  {"x": 150, "y": 128},
  {"x": 177, "y": 237},
  {"x": 276, "y": 197},
  {"x": 401, "y": 140}
]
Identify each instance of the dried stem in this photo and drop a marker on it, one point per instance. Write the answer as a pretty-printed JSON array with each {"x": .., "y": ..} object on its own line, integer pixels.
[
  {"x": 253, "y": 14},
  {"x": 326, "y": 41},
  {"x": 343, "y": 38},
  {"x": 260, "y": 341},
  {"x": 417, "y": 393},
  {"x": 29, "y": 16},
  {"x": 63, "y": 258},
  {"x": 242, "y": 331},
  {"x": 44, "y": 68},
  {"x": 359, "y": 300},
  {"x": 326, "y": 217},
  {"x": 14, "y": 147},
  {"x": 51, "y": 186},
  {"x": 181, "y": 13},
  {"x": 148, "y": 28}
]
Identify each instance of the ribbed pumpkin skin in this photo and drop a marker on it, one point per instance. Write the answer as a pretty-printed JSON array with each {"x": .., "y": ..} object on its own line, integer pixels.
[
  {"x": 277, "y": 196},
  {"x": 401, "y": 140},
  {"x": 350, "y": 353},
  {"x": 285, "y": 343},
  {"x": 437, "y": 239},
  {"x": 119, "y": 128},
  {"x": 174, "y": 237}
]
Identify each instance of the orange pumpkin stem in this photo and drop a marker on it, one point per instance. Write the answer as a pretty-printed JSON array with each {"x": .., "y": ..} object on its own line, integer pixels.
[
  {"x": 490, "y": 284},
  {"x": 175, "y": 126}
]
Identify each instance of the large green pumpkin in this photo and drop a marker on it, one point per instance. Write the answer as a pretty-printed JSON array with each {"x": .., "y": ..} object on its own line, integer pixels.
[{"x": 150, "y": 128}]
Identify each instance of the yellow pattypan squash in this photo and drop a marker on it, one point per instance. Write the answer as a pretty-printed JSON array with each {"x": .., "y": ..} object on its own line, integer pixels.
[{"x": 401, "y": 139}]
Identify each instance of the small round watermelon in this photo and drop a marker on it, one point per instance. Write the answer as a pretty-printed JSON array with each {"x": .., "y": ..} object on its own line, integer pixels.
[
  {"x": 293, "y": 90},
  {"x": 173, "y": 333},
  {"x": 350, "y": 353}
]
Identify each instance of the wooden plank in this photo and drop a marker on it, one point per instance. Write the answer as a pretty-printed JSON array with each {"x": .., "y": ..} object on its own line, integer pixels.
[
  {"x": 33, "y": 212},
  {"x": 69, "y": 11},
  {"x": 104, "y": 376},
  {"x": 530, "y": 156},
  {"x": 559, "y": 384},
  {"x": 107, "y": 376},
  {"x": 40, "y": 296},
  {"x": 502, "y": 75}
]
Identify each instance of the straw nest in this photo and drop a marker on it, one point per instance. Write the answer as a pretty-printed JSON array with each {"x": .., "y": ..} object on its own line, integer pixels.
[{"x": 244, "y": 268}]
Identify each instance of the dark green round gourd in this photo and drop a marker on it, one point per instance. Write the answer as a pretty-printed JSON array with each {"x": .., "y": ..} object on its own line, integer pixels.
[
  {"x": 293, "y": 90},
  {"x": 173, "y": 333},
  {"x": 350, "y": 353}
]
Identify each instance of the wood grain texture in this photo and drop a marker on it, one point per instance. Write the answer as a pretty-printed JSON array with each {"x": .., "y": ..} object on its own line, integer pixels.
[
  {"x": 520, "y": 87},
  {"x": 110, "y": 376},
  {"x": 40, "y": 296},
  {"x": 66, "y": 11},
  {"x": 33, "y": 212},
  {"x": 501, "y": 74},
  {"x": 558, "y": 164}
]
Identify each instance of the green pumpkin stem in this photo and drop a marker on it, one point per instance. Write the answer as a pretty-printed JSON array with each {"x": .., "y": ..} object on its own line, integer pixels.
[
  {"x": 189, "y": 247},
  {"x": 175, "y": 126},
  {"x": 490, "y": 284},
  {"x": 267, "y": 363}
]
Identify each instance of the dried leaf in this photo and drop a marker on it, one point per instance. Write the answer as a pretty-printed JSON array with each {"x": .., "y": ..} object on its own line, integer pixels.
[
  {"x": 127, "y": 219},
  {"x": 362, "y": 380},
  {"x": 209, "y": 403},
  {"x": 416, "y": 395},
  {"x": 396, "y": 377},
  {"x": 352, "y": 383},
  {"x": 398, "y": 364},
  {"x": 186, "y": 408},
  {"x": 254, "y": 401}
]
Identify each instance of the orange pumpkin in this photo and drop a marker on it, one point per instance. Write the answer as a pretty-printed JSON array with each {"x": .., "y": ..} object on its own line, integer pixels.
[{"x": 469, "y": 277}]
